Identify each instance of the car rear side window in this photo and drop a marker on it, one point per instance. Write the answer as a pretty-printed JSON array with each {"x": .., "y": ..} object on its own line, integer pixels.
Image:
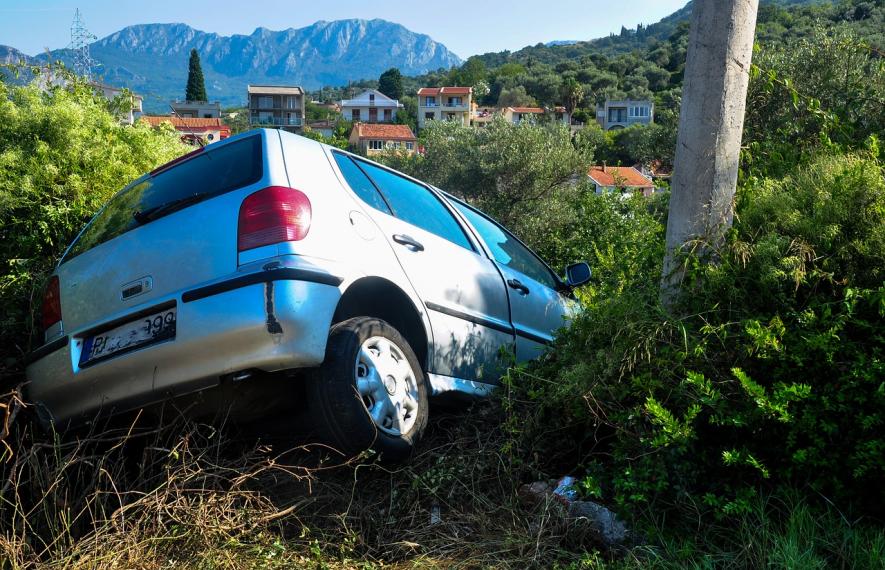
[
  {"x": 415, "y": 204},
  {"x": 360, "y": 183},
  {"x": 169, "y": 189}
]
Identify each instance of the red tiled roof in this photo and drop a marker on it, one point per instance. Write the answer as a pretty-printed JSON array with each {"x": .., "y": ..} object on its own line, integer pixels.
[
  {"x": 527, "y": 109},
  {"x": 185, "y": 123},
  {"x": 625, "y": 176},
  {"x": 445, "y": 90},
  {"x": 384, "y": 132}
]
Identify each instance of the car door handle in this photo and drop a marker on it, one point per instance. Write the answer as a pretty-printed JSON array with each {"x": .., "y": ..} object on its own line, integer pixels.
[
  {"x": 517, "y": 284},
  {"x": 408, "y": 241}
]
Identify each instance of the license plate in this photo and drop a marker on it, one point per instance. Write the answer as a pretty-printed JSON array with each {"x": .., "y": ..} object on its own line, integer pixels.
[{"x": 134, "y": 334}]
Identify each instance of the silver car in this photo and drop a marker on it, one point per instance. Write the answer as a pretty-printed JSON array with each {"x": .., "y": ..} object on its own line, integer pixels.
[{"x": 279, "y": 271}]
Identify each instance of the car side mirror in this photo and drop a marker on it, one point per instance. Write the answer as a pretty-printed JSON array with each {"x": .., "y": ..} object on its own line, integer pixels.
[{"x": 577, "y": 274}]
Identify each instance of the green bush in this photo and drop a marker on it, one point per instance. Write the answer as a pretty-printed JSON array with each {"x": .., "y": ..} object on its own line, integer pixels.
[
  {"x": 63, "y": 153},
  {"x": 826, "y": 89},
  {"x": 771, "y": 370}
]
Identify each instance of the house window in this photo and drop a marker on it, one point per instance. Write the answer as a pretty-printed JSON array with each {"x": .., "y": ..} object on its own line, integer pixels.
[
  {"x": 429, "y": 116},
  {"x": 290, "y": 103},
  {"x": 410, "y": 146},
  {"x": 430, "y": 101},
  {"x": 617, "y": 114},
  {"x": 376, "y": 145},
  {"x": 454, "y": 101},
  {"x": 265, "y": 102},
  {"x": 639, "y": 111},
  {"x": 371, "y": 97},
  {"x": 355, "y": 114},
  {"x": 388, "y": 115},
  {"x": 373, "y": 115}
]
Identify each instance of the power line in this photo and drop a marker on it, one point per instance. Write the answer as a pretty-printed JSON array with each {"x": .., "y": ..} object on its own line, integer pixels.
[{"x": 80, "y": 39}]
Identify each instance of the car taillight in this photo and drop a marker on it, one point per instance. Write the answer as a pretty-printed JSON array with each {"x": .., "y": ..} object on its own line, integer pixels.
[
  {"x": 51, "y": 310},
  {"x": 273, "y": 215}
]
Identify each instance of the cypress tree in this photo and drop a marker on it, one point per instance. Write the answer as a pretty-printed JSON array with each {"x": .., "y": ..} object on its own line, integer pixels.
[
  {"x": 196, "y": 86},
  {"x": 391, "y": 83}
]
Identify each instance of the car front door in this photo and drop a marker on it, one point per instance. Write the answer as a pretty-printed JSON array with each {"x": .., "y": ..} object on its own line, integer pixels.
[
  {"x": 462, "y": 290},
  {"x": 537, "y": 309}
]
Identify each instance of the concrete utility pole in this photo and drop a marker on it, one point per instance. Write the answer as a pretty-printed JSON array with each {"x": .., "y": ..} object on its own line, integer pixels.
[{"x": 714, "y": 96}]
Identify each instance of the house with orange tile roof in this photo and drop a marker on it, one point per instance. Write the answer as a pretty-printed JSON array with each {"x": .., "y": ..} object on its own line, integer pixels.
[
  {"x": 191, "y": 128},
  {"x": 480, "y": 117},
  {"x": 444, "y": 104},
  {"x": 620, "y": 178},
  {"x": 375, "y": 138}
]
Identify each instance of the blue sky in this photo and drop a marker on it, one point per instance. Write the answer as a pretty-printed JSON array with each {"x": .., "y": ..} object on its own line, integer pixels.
[{"x": 467, "y": 28}]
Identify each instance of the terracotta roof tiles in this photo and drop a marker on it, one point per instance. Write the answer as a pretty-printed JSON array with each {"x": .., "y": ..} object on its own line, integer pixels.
[
  {"x": 624, "y": 176},
  {"x": 384, "y": 132},
  {"x": 185, "y": 122}
]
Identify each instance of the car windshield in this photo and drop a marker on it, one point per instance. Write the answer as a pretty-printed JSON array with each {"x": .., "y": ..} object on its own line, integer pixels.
[{"x": 173, "y": 187}]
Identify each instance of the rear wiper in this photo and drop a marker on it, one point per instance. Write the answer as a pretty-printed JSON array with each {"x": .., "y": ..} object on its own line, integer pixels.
[{"x": 145, "y": 216}]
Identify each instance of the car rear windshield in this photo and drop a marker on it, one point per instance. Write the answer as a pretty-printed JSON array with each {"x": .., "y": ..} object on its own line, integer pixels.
[{"x": 169, "y": 189}]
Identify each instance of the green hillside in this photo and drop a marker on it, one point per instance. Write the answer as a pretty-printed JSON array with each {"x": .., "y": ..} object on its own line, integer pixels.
[{"x": 641, "y": 63}]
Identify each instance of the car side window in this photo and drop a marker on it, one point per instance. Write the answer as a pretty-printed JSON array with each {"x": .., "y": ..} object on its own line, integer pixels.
[
  {"x": 506, "y": 249},
  {"x": 415, "y": 204},
  {"x": 360, "y": 183}
]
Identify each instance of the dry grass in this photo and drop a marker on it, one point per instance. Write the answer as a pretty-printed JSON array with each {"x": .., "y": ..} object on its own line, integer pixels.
[{"x": 193, "y": 495}]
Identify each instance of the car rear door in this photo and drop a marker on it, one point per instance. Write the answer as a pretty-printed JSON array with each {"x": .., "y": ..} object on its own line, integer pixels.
[
  {"x": 462, "y": 290},
  {"x": 537, "y": 309}
]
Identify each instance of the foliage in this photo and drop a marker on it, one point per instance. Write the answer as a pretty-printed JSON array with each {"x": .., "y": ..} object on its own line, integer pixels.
[
  {"x": 196, "y": 85},
  {"x": 571, "y": 93},
  {"x": 827, "y": 90},
  {"x": 237, "y": 118},
  {"x": 515, "y": 97},
  {"x": 770, "y": 373},
  {"x": 62, "y": 155},
  {"x": 391, "y": 83},
  {"x": 336, "y": 140},
  {"x": 641, "y": 144}
]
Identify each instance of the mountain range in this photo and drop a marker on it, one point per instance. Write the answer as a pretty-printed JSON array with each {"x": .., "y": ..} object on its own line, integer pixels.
[{"x": 152, "y": 59}]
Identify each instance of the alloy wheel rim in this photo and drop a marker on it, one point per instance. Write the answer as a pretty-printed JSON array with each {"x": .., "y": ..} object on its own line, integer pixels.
[{"x": 387, "y": 385}]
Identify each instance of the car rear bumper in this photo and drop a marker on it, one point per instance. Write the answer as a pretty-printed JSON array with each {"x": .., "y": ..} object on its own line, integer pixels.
[{"x": 269, "y": 321}]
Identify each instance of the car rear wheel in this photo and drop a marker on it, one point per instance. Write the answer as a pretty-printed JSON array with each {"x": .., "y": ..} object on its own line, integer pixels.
[{"x": 370, "y": 391}]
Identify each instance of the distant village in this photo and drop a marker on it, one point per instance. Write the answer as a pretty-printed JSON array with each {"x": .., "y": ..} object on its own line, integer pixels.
[{"x": 375, "y": 129}]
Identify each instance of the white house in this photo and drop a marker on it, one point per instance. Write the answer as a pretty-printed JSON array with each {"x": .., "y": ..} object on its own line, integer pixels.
[
  {"x": 620, "y": 114},
  {"x": 370, "y": 106}
]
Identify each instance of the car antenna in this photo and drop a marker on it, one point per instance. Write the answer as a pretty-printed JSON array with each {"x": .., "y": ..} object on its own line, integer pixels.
[{"x": 192, "y": 133}]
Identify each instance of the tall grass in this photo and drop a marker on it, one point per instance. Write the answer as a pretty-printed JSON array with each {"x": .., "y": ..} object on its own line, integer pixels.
[{"x": 196, "y": 495}]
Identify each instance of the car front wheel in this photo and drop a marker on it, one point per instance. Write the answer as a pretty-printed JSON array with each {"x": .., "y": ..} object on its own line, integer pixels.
[{"x": 370, "y": 391}]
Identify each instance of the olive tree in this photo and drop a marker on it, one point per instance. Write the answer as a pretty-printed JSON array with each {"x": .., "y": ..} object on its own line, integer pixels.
[{"x": 63, "y": 153}]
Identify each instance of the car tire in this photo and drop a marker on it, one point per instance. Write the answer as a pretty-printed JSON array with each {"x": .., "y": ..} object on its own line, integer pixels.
[{"x": 370, "y": 392}]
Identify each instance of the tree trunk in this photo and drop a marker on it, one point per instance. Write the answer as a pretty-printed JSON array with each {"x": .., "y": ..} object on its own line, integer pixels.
[{"x": 714, "y": 94}]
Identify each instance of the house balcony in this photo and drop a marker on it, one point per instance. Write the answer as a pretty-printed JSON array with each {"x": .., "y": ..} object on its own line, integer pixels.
[{"x": 276, "y": 121}]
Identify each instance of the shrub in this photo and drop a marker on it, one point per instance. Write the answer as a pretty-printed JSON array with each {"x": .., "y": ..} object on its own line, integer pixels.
[
  {"x": 63, "y": 153},
  {"x": 770, "y": 372}
]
